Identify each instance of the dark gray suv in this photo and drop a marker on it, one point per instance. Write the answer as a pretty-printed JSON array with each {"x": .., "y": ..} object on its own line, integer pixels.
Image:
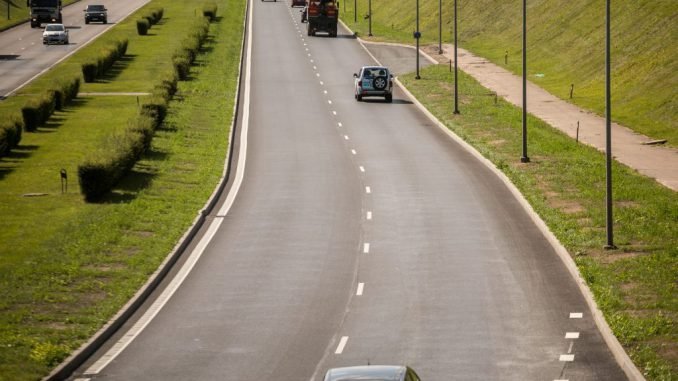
[
  {"x": 96, "y": 12},
  {"x": 372, "y": 373}
]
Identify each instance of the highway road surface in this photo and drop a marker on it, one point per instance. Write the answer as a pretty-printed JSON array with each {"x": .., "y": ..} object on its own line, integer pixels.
[
  {"x": 23, "y": 56},
  {"x": 360, "y": 234}
]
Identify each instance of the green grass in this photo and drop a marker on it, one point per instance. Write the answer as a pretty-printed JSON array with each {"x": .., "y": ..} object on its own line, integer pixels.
[
  {"x": 635, "y": 286},
  {"x": 15, "y": 12},
  {"x": 565, "y": 44},
  {"x": 67, "y": 266}
]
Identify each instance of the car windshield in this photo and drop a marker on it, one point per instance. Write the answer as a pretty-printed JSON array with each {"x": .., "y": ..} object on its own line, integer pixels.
[
  {"x": 54, "y": 28},
  {"x": 95, "y": 8}
]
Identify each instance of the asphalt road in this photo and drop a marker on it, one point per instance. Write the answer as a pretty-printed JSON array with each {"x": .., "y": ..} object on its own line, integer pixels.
[
  {"x": 360, "y": 233},
  {"x": 23, "y": 56}
]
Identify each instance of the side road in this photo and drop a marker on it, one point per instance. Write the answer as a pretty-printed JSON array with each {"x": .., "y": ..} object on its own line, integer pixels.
[{"x": 628, "y": 147}]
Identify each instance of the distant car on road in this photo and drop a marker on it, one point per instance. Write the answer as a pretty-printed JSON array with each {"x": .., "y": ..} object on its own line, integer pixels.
[
  {"x": 373, "y": 81},
  {"x": 372, "y": 373},
  {"x": 96, "y": 12},
  {"x": 55, "y": 34},
  {"x": 297, "y": 3}
]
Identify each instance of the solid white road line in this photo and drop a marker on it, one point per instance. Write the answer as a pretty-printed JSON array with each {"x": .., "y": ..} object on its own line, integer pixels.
[
  {"x": 197, "y": 252},
  {"x": 342, "y": 344}
]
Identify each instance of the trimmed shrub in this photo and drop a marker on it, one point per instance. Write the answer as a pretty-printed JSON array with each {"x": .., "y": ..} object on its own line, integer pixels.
[
  {"x": 65, "y": 89},
  {"x": 99, "y": 173},
  {"x": 154, "y": 107},
  {"x": 143, "y": 25},
  {"x": 209, "y": 10},
  {"x": 10, "y": 133},
  {"x": 144, "y": 125},
  {"x": 89, "y": 70},
  {"x": 37, "y": 111},
  {"x": 182, "y": 65}
]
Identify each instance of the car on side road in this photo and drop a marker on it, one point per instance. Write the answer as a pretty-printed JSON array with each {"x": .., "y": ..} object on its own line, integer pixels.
[
  {"x": 55, "y": 34},
  {"x": 96, "y": 12},
  {"x": 298, "y": 3},
  {"x": 373, "y": 81},
  {"x": 372, "y": 373}
]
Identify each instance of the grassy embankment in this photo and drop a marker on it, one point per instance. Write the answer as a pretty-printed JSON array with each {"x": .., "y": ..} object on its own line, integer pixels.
[
  {"x": 15, "y": 12},
  {"x": 67, "y": 266},
  {"x": 565, "y": 46}
]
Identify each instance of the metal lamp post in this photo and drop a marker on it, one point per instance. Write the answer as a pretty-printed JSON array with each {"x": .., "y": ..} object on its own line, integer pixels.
[
  {"x": 456, "y": 87},
  {"x": 369, "y": 19},
  {"x": 440, "y": 26},
  {"x": 608, "y": 132},
  {"x": 524, "y": 158},
  {"x": 417, "y": 35}
]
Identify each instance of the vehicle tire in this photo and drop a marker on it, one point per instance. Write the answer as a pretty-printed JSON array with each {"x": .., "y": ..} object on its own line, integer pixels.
[
  {"x": 389, "y": 98},
  {"x": 359, "y": 97},
  {"x": 379, "y": 83},
  {"x": 105, "y": 21},
  {"x": 86, "y": 21}
]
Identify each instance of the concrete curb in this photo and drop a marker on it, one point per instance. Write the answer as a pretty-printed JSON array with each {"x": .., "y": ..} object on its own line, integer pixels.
[
  {"x": 77, "y": 358},
  {"x": 613, "y": 344}
]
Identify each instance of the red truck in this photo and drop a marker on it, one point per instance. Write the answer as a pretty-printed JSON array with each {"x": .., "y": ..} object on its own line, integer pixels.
[{"x": 322, "y": 16}]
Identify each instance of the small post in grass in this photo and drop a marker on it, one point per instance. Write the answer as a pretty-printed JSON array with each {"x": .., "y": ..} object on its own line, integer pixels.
[
  {"x": 571, "y": 90},
  {"x": 64, "y": 181}
]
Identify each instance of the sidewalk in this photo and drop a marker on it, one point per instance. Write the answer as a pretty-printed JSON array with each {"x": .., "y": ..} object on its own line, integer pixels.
[{"x": 658, "y": 162}]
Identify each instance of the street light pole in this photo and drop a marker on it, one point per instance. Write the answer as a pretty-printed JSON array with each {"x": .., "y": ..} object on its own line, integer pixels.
[
  {"x": 417, "y": 35},
  {"x": 524, "y": 158},
  {"x": 456, "y": 87},
  {"x": 608, "y": 132},
  {"x": 440, "y": 26},
  {"x": 369, "y": 20}
]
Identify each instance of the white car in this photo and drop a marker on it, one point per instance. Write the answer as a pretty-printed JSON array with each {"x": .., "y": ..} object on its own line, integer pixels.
[
  {"x": 373, "y": 81},
  {"x": 55, "y": 34}
]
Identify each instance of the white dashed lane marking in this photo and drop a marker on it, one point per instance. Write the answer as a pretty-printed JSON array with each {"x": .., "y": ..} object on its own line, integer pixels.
[
  {"x": 345, "y": 137},
  {"x": 567, "y": 358},
  {"x": 368, "y": 190},
  {"x": 572, "y": 335},
  {"x": 342, "y": 345},
  {"x": 576, "y": 315},
  {"x": 339, "y": 124},
  {"x": 361, "y": 287},
  {"x": 362, "y": 169},
  {"x": 366, "y": 248},
  {"x": 354, "y": 152},
  {"x": 368, "y": 215}
]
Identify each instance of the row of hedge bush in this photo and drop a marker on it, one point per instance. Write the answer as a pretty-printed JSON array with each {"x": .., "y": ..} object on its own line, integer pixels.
[
  {"x": 10, "y": 133},
  {"x": 37, "y": 110},
  {"x": 96, "y": 67},
  {"x": 148, "y": 19},
  {"x": 102, "y": 170},
  {"x": 190, "y": 46},
  {"x": 209, "y": 10}
]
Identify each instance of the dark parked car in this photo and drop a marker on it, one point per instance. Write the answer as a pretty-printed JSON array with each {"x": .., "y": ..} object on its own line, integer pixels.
[
  {"x": 96, "y": 12},
  {"x": 296, "y": 3},
  {"x": 372, "y": 373}
]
